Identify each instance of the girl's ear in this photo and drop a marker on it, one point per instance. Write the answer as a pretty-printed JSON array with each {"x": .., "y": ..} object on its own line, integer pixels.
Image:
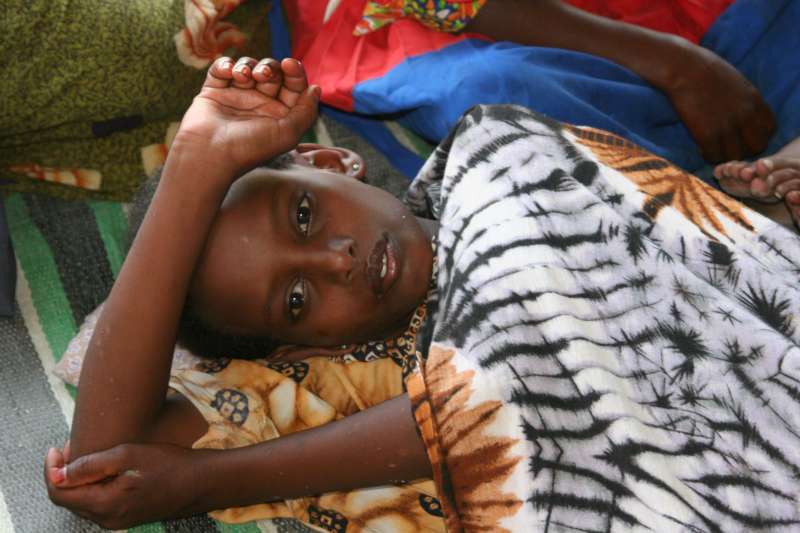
[
  {"x": 293, "y": 352},
  {"x": 332, "y": 159}
]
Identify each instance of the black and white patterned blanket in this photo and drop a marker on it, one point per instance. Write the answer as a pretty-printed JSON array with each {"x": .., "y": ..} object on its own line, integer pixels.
[{"x": 614, "y": 346}]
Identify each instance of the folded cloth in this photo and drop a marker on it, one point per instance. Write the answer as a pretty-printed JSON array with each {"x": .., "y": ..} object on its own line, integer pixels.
[{"x": 8, "y": 268}]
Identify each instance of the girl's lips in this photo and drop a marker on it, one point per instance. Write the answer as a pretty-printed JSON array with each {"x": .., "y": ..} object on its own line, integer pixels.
[{"x": 383, "y": 265}]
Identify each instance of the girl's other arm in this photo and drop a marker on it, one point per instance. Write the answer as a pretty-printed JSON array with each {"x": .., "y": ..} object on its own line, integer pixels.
[{"x": 132, "y": 484}]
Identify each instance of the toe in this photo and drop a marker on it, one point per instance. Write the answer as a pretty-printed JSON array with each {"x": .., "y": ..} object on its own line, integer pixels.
[
  {"x": 786, "y": 181},
  {"x": 779, "y": 163},
  {"x": 760, "y": 189},
  {"x": 792, "y": 202},
  {"x": 763, "y": 167}
]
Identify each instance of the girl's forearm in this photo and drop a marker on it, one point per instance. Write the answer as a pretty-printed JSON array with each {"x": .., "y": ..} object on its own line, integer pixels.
[
  {"x": 653, "y": 55},
  {"x": 374, "y": 447},
  {"x": 126, "y": 370}
]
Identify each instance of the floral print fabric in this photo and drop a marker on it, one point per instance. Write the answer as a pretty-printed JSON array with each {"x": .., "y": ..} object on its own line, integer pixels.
[{"x": 442, "y": 15}]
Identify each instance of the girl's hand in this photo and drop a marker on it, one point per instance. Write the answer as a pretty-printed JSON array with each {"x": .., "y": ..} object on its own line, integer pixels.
[
  {"x": 127, "y": 485},
  {"x": 725, "y": 114},
  {"x": 250, "y": 111}
]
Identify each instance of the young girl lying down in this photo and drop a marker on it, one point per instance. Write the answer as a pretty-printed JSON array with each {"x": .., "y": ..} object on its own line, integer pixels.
[{"x": 608, "y": 343}]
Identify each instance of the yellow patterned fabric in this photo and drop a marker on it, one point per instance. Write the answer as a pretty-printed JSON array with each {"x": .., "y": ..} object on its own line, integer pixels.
[
  {"x": 441, "y": 15},
  {"x": 246, "y": 402}
]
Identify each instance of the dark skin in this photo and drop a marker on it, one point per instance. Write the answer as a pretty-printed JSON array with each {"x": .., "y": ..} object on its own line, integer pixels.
[
  {"x": 130, "y": 459},
  {"x": 724, "y": 113},
  {"x": 316, "y": 291}
]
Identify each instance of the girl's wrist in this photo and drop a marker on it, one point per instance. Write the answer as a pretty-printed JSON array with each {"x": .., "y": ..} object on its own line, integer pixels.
[{"x": 200, "y": 163}]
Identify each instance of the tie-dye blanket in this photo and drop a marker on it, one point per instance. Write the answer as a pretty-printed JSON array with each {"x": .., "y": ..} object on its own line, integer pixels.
[{"x": 614, "y": 344}]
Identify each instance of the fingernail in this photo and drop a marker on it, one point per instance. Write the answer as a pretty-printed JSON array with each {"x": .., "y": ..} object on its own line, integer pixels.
[
  {"x": 315, "y": 91},
  {"x": 58, "y": 475}
]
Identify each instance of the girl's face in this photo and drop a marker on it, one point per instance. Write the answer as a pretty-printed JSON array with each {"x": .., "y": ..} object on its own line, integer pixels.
[{"x": 311, "y": 257}]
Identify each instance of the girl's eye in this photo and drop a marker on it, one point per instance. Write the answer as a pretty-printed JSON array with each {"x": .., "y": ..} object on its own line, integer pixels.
[
  {"x": 304, "y": 215},
  {"x": 297, "y": 298}
]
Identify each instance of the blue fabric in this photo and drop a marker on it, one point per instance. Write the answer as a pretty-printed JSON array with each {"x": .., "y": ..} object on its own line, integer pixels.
[{"x": 759, "y": 37}]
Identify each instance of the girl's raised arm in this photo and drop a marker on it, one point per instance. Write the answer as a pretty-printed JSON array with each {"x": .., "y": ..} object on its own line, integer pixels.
[{"x": 245, "y": 113}]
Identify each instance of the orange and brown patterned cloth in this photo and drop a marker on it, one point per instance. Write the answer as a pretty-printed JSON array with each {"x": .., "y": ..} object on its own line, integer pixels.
[{"x": 247, "y": 402}]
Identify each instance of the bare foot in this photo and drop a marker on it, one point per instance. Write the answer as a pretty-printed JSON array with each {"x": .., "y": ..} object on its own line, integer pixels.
[{"x": 768, "y": 180}]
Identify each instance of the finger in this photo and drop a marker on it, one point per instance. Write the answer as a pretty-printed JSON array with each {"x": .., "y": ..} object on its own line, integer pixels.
[
  {"x": 711, "y": 148},
  {"x": 243, "y": 73},
  {"x": 759, "y": 128},
  {"x": 304, "y": 113},
  {"x": 94, "y": 467},
  {"x": 54, "y": 467},
  {"x": 294, "y": 82},
  {"x": 84, "y": 500},
  {"x": 733, "y": 145},
  {"x": 271, "y": 86},
  {"x": 66, "y": 451},
  {"x": 268, "y": 76},
  {"x": 220, "y": 73},
  {"x": 782, "y": 190}
]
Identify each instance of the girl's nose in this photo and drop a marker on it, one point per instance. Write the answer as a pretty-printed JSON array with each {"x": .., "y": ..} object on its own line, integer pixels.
[{"x": 338, "y": 258}]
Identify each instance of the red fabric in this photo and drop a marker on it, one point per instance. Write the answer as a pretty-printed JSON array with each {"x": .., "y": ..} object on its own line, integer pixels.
[
  {"x": 688, "y": 18},
  {"x": 337, "y": 61}
]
